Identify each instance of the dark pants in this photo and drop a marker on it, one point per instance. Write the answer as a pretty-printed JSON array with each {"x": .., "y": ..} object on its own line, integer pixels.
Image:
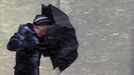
[{"x": 27, "y": 62}]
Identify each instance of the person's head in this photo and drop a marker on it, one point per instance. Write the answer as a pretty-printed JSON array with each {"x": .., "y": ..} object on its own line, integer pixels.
[{"x": 40, "y": 24}]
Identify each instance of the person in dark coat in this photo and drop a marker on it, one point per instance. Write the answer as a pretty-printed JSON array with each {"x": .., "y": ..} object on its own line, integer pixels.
[{"x": 47, "y": 36}]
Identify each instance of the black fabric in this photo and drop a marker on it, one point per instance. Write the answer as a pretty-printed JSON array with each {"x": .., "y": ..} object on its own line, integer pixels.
[
  {"x": 47, "y": 12},
  {"x": 67, "y": 40},
  {"x": 27, "y": 62}
]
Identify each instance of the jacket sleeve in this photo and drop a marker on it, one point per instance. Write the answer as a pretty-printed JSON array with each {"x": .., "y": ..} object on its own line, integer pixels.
[
  {"x": 15, "y": 42},
  {"x": 24, "y": 38}
]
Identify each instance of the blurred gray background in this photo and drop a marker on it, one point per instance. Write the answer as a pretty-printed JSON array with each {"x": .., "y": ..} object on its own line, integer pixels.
[{"x": 104, "y": 29}]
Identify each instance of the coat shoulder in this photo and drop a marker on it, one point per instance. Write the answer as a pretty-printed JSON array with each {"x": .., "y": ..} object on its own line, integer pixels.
[{"x": 26, "y": 26}]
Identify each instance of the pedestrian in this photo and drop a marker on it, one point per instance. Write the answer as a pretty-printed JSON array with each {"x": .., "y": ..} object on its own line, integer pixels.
[{"x": 43, "y": 37}]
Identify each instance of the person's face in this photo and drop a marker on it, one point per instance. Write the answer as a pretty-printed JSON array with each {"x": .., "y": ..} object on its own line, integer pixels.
[{"x": 40, "y": 30}]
